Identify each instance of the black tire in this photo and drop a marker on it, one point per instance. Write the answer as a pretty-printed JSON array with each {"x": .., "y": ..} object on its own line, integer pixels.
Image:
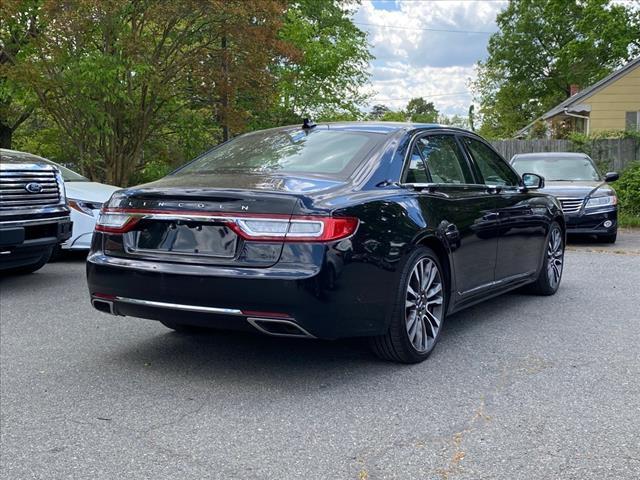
[
  {"x": 396, "y": 345},
  {"x": 546, "y": 284},
  {"x": 610, "y": 238},
  {"x": 32, "y": 267},
  {"x": 183, "y": 328}
]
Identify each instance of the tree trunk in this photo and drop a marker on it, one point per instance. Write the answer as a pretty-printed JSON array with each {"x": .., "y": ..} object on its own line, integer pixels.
[
  {"x": 6, "y": 134},
  {"x": 224, "y": 100}
]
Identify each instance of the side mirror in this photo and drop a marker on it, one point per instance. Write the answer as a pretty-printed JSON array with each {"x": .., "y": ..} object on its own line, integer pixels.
[
  {"x": 532, "y": 181},
  {"x": 611, "y": 177}
]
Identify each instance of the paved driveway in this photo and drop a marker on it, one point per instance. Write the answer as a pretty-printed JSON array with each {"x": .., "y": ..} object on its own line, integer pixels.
[{"x": 521, "y": 387}]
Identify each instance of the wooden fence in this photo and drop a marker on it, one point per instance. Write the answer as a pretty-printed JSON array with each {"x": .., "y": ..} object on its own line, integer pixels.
[{"x": 613, "y": 154}]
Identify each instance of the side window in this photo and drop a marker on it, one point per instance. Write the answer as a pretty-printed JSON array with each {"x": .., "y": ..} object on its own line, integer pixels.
[
  {"x": 416, "y": 172},
  {"x": 494, "y": 169},
  {"x": 444, "y": 160}
]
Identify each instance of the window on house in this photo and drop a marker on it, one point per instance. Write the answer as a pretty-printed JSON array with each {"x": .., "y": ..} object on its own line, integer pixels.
[{"x": 632, "y": 121}]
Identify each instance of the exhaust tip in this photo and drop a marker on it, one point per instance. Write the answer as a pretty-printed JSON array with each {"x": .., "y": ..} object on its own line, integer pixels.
[
  {"x": 103, "y": 305},
  {"x": 279, "y": 327}
]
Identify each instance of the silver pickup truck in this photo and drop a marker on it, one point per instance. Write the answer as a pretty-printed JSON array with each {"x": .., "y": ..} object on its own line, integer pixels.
[{"x": 34, "y": 216}]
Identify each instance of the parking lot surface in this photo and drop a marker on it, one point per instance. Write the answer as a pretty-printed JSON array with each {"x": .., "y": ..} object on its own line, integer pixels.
[{"x": 520, "y": 387}]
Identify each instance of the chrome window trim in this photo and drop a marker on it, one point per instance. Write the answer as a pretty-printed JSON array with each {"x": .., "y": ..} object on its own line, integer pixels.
[{"x": 429, "y": 132}]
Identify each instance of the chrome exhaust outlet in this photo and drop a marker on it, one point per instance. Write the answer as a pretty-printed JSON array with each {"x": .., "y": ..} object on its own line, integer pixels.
[
  {"x": 279, "y": 327},
  {"x": 102, "y": 305}
]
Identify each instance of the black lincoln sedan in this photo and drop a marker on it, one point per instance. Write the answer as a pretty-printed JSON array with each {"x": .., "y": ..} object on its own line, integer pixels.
[
  {"x": 375, "y": 230},
  {"x": 590, "y": 205}
]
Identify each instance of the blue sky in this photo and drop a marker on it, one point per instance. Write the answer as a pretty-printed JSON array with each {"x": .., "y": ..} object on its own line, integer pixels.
[{"x": 426, "y": 48}]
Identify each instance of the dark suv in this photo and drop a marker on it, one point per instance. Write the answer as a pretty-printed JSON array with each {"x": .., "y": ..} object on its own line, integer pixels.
[{"x": 34, "y": 216}]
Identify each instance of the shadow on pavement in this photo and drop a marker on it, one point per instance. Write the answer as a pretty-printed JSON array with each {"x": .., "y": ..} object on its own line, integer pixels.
[{"x": 249, "y": 359}]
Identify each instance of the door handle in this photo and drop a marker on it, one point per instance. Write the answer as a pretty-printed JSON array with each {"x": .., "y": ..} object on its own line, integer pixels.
[{"x": 494, "y": 189}]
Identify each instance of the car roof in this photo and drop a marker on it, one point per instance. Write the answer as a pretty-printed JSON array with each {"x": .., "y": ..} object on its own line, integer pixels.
[
  {"x": 373, "y": 127},
  {"x": 541, "y": 155}
]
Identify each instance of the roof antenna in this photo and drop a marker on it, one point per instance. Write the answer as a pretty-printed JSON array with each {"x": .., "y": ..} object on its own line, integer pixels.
[{"x": 307, "y": 124}]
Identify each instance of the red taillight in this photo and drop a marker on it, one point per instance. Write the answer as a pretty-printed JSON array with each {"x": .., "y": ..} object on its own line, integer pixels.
[
  {"x": 337, "y": 228},
  {"x": 251, "y": 227}
]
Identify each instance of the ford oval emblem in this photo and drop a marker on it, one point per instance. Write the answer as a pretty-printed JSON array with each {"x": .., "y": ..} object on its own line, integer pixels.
[{"x": 33, "y": 187}]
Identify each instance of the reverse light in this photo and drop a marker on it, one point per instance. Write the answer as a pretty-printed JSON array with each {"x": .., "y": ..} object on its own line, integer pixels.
[
  {"x": 295, "y": 229},
  {"x": 115, "y": 222}
]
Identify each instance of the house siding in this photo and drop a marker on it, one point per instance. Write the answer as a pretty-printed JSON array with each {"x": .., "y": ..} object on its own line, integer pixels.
[{"x": 609, "y": 105}]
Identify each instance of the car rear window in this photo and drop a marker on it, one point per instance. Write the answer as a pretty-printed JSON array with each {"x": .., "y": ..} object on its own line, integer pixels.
[{"x": 316, "y": 151}]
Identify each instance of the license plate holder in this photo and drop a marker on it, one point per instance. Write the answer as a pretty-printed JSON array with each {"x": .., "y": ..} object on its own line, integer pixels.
[{"x": 186, "y": 238}]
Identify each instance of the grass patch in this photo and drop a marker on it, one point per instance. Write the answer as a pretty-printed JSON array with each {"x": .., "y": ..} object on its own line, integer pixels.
[{"x": 626, "y": 220}]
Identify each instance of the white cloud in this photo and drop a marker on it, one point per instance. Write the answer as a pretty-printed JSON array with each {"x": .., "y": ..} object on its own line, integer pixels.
[{"x": 413, "y": 60}]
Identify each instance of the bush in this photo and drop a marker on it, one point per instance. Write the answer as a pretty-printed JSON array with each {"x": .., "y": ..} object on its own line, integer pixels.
[{"x": 628, "y": 190}]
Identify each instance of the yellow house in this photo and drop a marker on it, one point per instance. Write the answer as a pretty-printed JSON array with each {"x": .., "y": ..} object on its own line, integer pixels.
[{"x": 613, "y": 103}]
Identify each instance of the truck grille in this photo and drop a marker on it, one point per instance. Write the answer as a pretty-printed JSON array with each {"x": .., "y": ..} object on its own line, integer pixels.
[
  {"x": 571, "y": 205},
  {"x": 14, "y": 193}
]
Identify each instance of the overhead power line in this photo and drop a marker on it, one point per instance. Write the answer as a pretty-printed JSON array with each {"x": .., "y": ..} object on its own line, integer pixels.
[
  {"x": 442, "y": 30},
  {"x": 427, "y": 97}
]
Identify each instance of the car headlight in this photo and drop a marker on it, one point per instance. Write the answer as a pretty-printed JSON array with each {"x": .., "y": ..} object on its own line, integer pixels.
[
  {"x": 602, "y": 201},
  {"x": 83, "y": 206},
  {"x": 61, "y": 187}
]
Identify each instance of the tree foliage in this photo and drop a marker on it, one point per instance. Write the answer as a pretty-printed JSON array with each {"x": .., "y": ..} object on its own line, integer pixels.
[
  {"x": 419, "y": 110},
  {"x": 19, "y": 26},
  {"x": 542, "y": 48},
  {"x": 125, "y": 89},
  {"x": 328, "y": 74}
]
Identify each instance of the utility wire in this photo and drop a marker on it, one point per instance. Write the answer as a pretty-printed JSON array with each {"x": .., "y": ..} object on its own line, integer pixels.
[{"x": 425, "y": 96}]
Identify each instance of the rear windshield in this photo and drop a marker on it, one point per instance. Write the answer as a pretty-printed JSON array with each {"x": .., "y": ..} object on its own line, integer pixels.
[
  {"x": 317, "y": 151},
  {"x": 558, "y": 168}
]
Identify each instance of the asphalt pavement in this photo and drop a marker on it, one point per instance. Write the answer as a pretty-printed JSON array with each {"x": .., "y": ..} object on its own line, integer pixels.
[{"x": 520, "y": 387}]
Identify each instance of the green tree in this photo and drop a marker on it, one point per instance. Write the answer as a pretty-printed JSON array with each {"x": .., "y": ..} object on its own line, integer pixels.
[
  {"x": 419, "y": 110},
  {"x": 454, "y": 121},
  {"x": 332, "y": 63},
  {"x": 19, "y": 26},
  {"x": 127, "y": 89},
  {"x": 541, "y": 49},
  {"x": 394, "y": 116},
  {"x": 234, "y": 78},
  {"x": 378, "y": 111},
  {"x": 115, "y": 75}
]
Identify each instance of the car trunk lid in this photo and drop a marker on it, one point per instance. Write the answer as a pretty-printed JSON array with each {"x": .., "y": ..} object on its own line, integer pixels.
[{"x": 186, "y": 220}]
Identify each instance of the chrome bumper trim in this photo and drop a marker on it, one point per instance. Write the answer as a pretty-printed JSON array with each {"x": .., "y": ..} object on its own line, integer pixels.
[
  {"x": 180, "y": 306},
  {"x": 35, "y": 221}
]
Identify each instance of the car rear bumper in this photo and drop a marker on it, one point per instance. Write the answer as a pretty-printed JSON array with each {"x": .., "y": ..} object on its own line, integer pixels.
[
  {"x": 328, "y": 300},
  {"x": 601, "y": 222}
]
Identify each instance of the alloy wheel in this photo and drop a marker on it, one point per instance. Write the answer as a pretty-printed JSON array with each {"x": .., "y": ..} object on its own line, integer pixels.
[
  {"x": 424, "y": 304},
  {"x": 555, "y": 257}
]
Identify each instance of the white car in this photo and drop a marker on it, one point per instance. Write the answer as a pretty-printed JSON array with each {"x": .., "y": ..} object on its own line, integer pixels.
[{"x": 85, "y": 200}]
